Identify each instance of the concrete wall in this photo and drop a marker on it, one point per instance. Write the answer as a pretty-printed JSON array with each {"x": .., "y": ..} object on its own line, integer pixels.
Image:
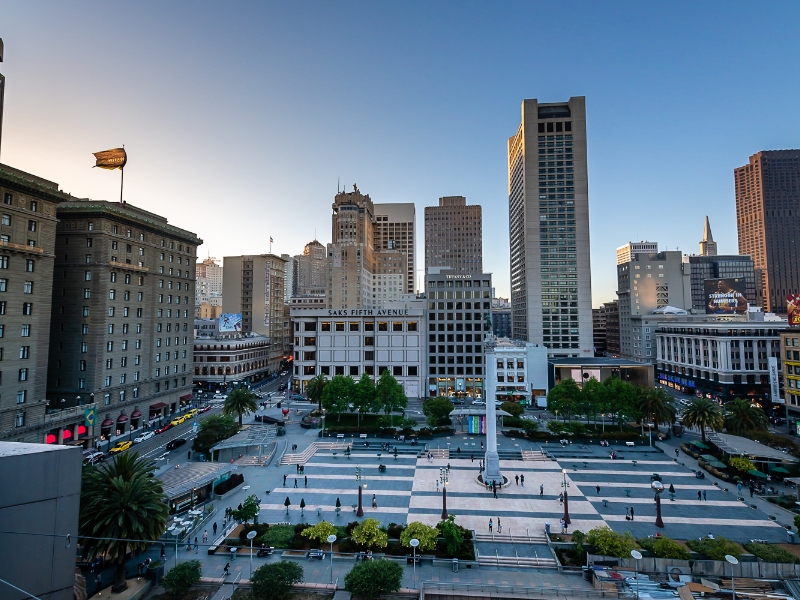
[{"x": 41, "y": 494}]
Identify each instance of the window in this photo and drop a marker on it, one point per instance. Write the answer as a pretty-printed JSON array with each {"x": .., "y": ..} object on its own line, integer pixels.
[
  {"x": 397, "y": 326},
  {"x": 109, "y": 363},
  {"x": 136, "y": 392},
  {"x": 6, "y": 219},
  {"x": 111, "y": 328},
  {"x": 383, "y": 326},
  {"x": 412, "y": 326},
  {"x": 3, "y": 285},
  {"x": 82, "y": 365},
  {"x": 324, "y": 326},
  {"x": 355, "y": 326},
  {"x": 22, "y": 396},
  {"x": 106, "y": 399},
  {"x": 88, "y": 259},
  {"x": 8, "y": 198},
  {"x": 113, "y": 277},
  {"x": 27, "y": 308},
  {"x": 29, "y": 265},
  {"x": 84, "y": 347},
  {"x": 19, "y": 420},
  {"x": 397, "y": 371},
  {"x": 32, "y": 225},
  {"x": 2, "y": 308},
  {"x": 2, "y": 329},
  {"x": 112, "y": 294},
  {"x": 3, "y": 262},
  {"x": 23, "y": 374},
  {"x": 412, "y": 371},
  {"x": 88, "y": 242},
  {"x": 26, "y": 330},
  {"x": 87, "y": 293},
  {"x": 107, "y": 382},
  {"x": 26, "y": 289},
  {"x": 109, "y": 346}
]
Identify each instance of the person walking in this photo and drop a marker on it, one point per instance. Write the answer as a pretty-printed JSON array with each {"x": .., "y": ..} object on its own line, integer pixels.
[
  {"x": 522, "y": 480},
  {"x": 437, "y": 485},
  {"x": 676, "y": 453},
  {"x": 627, "y": 514},
  {"x": 214, "y": 528},
  {"x": 699, "y": 495},
  {"x": 284, "y": 480},
  {"x": 295, "y": 482},
  {"x": 499, "y": 526},
  {"x": 98, "y": 582},
  {"x": 597, "y": 487},
  {"x": 196, "y": 546},
  {"x": 481, "y": 444},
  {"x": 374, "y": 501},
  {"x": 704, "y": 496},
  {"x": 494, "y": 490},
  {"x": 305, "y": 478},
  {"x": 631, "y": 513},
  {"x": 516, "y": 478},
  {"x": 205, "y": 536},
  {"x": 561, "y": 498},
  {"x": 471, "y": 458},
  {"x": 490, "y": 526},
  {"x": 752, "y": 489},
  {"x": 189, "y": 455},
  {"x": 541, "y": 490},
  {"x": 739, "y": 488},
  {"x": 563, "y": 526}
]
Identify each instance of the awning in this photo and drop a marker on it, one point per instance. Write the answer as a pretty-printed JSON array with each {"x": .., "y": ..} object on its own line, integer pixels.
[
  {"x": 187, "y": 397},
  {"x": 107, "y": 423},
  {"x": 136, "y": 414},
  {"x": 708, "y": 457},
  {"x": 716, "y": 464},
  {"x": 780, "y": 470},
  {"x": 157, "y": 406},
  {"x": 698, "y": 444},
  {"x": 122, "y": 418},
  {"x": 756, "y": 473}
]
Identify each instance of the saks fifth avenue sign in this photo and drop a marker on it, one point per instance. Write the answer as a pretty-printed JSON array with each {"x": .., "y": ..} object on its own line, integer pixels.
[{"x": 369, "y": 312}]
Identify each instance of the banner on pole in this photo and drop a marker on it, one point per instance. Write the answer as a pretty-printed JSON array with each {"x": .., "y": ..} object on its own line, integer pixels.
[{"x": 111, "y": 159}]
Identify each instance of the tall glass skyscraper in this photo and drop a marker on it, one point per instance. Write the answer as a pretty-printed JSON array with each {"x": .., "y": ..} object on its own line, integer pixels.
[{"x": 548, "y": 201}]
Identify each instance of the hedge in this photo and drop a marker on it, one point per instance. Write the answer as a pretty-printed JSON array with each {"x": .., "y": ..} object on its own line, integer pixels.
[{"x": 770, "y": 553}]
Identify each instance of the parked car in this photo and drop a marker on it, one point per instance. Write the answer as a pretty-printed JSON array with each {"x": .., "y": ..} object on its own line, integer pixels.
[
  {"x": 219, "y": 396},
  {"x": 191, "y": 413},
  {"x": 478, "y": 402},
  {"x": 297, "y": 397},
  {"x": 91, "y": 457},
  {"x": 205, "y": 409},
  {"x": 457, "y": 400},
  {"x": 164, "y": 428},
  {"x": 143, "y": 437},
  {"x": 178, "y": 420},
  {"x": 120, "y": 447},
  {"x": 176, "y": 443}
]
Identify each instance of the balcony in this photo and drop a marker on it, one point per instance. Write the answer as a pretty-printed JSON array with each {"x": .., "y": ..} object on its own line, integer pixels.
[
  {"x": 119, "y": 265},
  {"x": 21, "y": 247},
  {"x": 67, "y": 414}
]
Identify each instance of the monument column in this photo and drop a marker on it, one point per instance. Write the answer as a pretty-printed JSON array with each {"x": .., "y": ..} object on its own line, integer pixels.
[{"x": 491, "y": 460}]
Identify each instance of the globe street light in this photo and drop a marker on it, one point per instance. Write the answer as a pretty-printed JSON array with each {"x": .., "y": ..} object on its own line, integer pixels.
[
  {"x": 331, "y": 539},
  {"x": 414, "y": 543},
  {"x": 444, "y": 480},
  {"x": 733, "y": 561},
  {"x": 658, "y": 487},
  {"x": 250, "y": 536},
  {"x": 565, "y": 485},
  {"x": 637, "y": 557}
]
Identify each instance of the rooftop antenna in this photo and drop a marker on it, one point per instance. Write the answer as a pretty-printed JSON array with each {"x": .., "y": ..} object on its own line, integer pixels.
[
  {"x": 2, "y": 92},
  {"x": 338, "y": 180}
]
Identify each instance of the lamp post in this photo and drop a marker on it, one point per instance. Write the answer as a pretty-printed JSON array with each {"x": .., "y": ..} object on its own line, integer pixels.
[
  {"x": 733, "y": 561},
  {"x": 78, "y": 400},
  {"x": 359, "y": 477},
  {"x": 565, "y": 485},
  {"x": 250, "y": 536},
  {"x": 658, "y": 487},
  {"x": 177, "y": 533},
  {"x": 331, "y": 539},
  {"x": 444, "y": 480},
  {"x": 637, "y": 556},
  {"x": 414, "y": 543}
]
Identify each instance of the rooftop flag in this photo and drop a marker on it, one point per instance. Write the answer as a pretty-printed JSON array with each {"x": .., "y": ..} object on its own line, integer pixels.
[{"x": 111, "y": 159}]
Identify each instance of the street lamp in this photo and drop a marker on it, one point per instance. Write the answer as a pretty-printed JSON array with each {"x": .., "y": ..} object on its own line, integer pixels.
[
  {"x": 250, "y": 536},
  {"x": 733, "y": 561},
  {"x": 414, "y": 543},
  {"x": 359, "y": 477},
  {"x": 565, "y": 485},
  {"x": 177, "y": 533},
  {"x": 637, "y": 557},
  {"x": 658, "y": 487},
  {"x": 331, "y": 539},
  {"x": 78, "y": 400},
  {"x": 443, "y": 478}
]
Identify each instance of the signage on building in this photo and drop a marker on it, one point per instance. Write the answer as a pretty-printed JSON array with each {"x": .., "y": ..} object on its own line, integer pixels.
[
  {"x": 369, "y": 312},
  {"x": 88, "y": 417},
  {"x": 725, "y": 296},
  {"x": 476, "y": 424},
  {"x": 267, "y": 305},
  {"x": 230, "y": 322},
  {"x": 793, "y": 309},
  {"x": 458, "y": 276},
  {"x": 774, "y": 387}
]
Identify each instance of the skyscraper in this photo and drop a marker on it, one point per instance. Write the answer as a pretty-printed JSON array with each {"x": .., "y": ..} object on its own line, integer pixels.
[
  {"x": 708, "y": 247},
  {"x": 551, "y": 280},
  {"x": 628, "y": 251},
  {"x": 454, "y": 235},
  {"x": 767, "y": 207},
  {"x": 395, "y": 229},
  {"x": 312, "y": 270}
]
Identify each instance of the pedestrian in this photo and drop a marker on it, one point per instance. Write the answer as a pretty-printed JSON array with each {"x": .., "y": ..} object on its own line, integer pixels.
[
  {"x": 139, "y": 568},
  {"x": 295, "y": 482},
  {"x": 189, "y": 455},
  {"x": 541, "y": 490},
  {"x": 597, "y": 487},
  {"x": 676, "y": 453},
  {"x": 499, "y": 526},
  {"x": 481, "y": 444},
  {"x": 516, "y": 478},
  {"x": 215, "y": 528},
  {"x": 490, "y": 526},
  {"x": 494, "y": 490},
  {"x": 437, "y": 485},
  {"x": 704, "y": 496},
  {"x": 196, "y": 546},
  {"x": 297, "y": 468},
  {"x": 752, "y": 489},
  {"x": 739, "y": 488},
  {"x": 563, "y": 526},
  {"x": 284, "y": 479},
  {"x": 627, "y": 514},
  {"x": 374, "y": 501},
  {"x": 164, "y": 548},
  {"x": 98, "y": 582},
  {"x": 205, "y": 536},
  {"x": 471, "y": 458},
  {"x": 189, "y": 544},
  {"x": 699, "y": 495},
  {"x": 522, "y": 480},
  {"x": 306, "y": 480},
  {"x": 631, "y": 513}
]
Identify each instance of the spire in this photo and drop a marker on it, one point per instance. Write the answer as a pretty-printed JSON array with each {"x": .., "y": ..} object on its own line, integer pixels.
[{"x": 708, "y": 247}]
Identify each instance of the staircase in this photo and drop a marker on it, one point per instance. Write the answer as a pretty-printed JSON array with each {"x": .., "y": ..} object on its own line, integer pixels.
[
  {"x": 522, "y": 562},
  {"x": 303, "y": 457},
  {"x": 440, "y": 453},
  {"x": 534, "y": 455},
  {"x": 505, "y": 538},
  {"x": 252, "y": 461}
]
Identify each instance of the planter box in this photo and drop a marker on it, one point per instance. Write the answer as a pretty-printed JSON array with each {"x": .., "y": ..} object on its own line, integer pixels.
[{"x": 155, "y": 575}]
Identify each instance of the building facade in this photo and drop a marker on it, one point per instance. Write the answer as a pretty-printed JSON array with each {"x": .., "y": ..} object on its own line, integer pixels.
[
  {"x": 290, "y": 274},
  {"x": 612, "y": 328},
  {"x": 312, "y": 270},
  {"x": 254, "y": 287},
  {"x": 551, "y": 281},
  {"x": 454, "y": 235},
  {"x": 731, "y": 266},
  {"x": 396, "y": 229},
  {"x": 790, "y": 351},
  {"x": 599, "y": 325},
  {"x": 123, "y": 313},
  {"x": 221, "y": 359},
  {"x": 27, "y": 258},
  {"x": 708, "y": 247},
  {"x": 501, "y": 317},
  {"x": 767, "y": 204},
  {"x": 628, "y": 251},
  {"x": 458, "y": 306},
  {"x": 646, "y": 283},
  {"x": 355, "y": 341},
  {"x": 521, "y": 370}
]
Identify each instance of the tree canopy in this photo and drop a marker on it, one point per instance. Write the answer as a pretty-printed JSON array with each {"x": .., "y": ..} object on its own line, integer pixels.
[
  {"x": 274, "y": 581},
  {"x": 213, "y": 429},
  {"x": 742, "y": 416},
  {"x": 374, "y": 578},
  {"x": 426, "y": 535},
  {"x": 320, "y": 531},
  {"x": 315, "y": 387},
  {"x": 391, "y": 396},
  {"x": 248, "y": 511},
  {"x": 182, "y": 577},
  {"x": 564, "y": 398},
  {"x": 609, "y": 543},
  {"x": 437, "y": 410},
  {"x": 703, "y": 413},
  {"x": 337, "y": 395},
  {"x": 657, "y": 406},
  {"x": 368, "y": 534},
  {"x": 239, "y": 402},
  {"x": 365, "y": 398}
]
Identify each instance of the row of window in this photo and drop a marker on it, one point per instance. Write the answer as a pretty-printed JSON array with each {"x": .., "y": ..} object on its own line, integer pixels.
[
  {"x": 354, "y": 371},
  {"x": 129, "y": 234},
  {"x": 25, "y": 330},
  {"x": 8, "y": 199},
  {"x": 5, "y": 261}
]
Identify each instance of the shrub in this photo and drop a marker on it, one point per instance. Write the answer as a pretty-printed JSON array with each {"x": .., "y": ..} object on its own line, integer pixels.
[
  {"x": 426, "y": 535},
  {"x": 374, "y": 578},
  {"x": 664, "y": 547},
  {"x": 273, "y": 581},
  {"x": 609, "y": 543},
  {"x": 512, "y": 408},
  {"x": 320, "y": 531},
  {"x": 369, "y": 535},
  {"x": 278, "y": 536},
  {"x": 556, "y": 427},
  {"x": 182, "y": 577},
  {"x": 260, "y": 530},
  {"x": 394, "y": 531},
  {"x": 742, "y": 464},
  {"x": 236, "y": 479},
  {"x": 715, "y": 549},
  {"x": 770, "y": 553},
  {"x": 350, "y": 526}
]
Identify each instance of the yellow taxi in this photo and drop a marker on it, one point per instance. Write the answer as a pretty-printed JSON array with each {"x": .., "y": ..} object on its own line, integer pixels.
[
  {"x": 178, "y": 420},
  {"x": 120, "y": 447},
  {"x": 192, "y": 413}
]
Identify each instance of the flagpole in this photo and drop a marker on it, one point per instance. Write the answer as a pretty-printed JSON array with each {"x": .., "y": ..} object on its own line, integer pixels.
[{"x": 121, "y": 183}]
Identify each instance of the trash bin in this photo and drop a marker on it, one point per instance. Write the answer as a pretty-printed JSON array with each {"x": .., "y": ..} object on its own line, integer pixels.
[
  {"x": 547, "y": 528},
  {"x": 790, "y": 536},
  {"x": 455, "y": 565}
]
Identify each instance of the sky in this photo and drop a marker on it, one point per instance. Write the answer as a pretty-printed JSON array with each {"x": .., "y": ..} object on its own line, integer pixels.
[{"x": 239, "y": 118}]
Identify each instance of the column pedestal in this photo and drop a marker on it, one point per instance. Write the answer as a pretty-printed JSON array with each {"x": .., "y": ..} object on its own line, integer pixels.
[{"x": 492, "y": 460}]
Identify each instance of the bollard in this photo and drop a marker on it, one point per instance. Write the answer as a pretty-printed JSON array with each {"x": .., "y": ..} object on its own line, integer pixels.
[{"x": 455, "y": 565}]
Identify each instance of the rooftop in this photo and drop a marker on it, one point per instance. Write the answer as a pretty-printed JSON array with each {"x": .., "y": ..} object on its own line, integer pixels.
[
  {"x": 735, "y": 445},
  {"x": 20, "y": 448},
  {"x": 253, "y": 435},
  {"x": 604, "y": 361},
  {"x": 191, "y": 475}
]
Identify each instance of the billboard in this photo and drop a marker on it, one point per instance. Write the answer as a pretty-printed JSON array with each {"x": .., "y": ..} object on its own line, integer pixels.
[
  {"x": 725, "y": 296},
  {"x": 229, "y": 322},
  {"x": 793, "y": 309}
]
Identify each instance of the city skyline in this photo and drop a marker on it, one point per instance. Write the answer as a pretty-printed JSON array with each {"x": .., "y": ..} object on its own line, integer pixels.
[{"x": 400, "y": 95}]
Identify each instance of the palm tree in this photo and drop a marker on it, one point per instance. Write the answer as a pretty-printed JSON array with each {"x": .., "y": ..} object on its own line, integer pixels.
[
  {"x": 122, "y": 509},
  {"x": 657, "y": 406},
  {"x": 742, "y": 416},
  {"x": 314, "y": 389},
  {"x": 240, "y": 402},
  {"x": 703, "y": 413}
]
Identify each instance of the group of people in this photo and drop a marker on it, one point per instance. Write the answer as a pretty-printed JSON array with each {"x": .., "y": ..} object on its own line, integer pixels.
[{"x": 499, "y": 526}]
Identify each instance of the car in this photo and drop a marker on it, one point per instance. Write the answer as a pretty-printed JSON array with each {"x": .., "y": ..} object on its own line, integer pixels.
[
  {"x": 297, "y": 397},
  {"x": 177, "y": 421},
  {"x": 176, "y": 443},
  {"x": 219, "y": 396},
  {"x": 143, "y": 437},
  {"x": 206, "y": 408},
  {"x": 457, "y": 400},
  {"x": 91, "y": 457},
  {"x": 120, "y": 447},
  {"x": 164, "y": 428},
  {"x": 478, "y": 403},
  {"x": 192, "y": 413}
]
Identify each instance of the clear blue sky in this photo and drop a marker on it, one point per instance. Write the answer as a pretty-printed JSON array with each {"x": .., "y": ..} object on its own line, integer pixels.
[{"x": 239, "y": 117}]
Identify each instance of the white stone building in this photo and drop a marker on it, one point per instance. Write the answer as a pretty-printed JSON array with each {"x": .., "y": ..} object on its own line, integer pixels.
[{"x": 520, "y": 369}]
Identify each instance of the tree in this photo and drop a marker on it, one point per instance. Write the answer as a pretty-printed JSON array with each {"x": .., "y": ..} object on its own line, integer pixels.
[
  {"x": 213, "y": 429},
  {"x": 608, "y": 543},
  {"x": 320, "y": 531},
  {"x": 390, "y": 394},
  {"x": 704, "y": 414},
  {"x": 622, "y": 399},
  {"x": 595, "y": 397},
  {"x": 240, "y": 402},
  {"x": 742, "y": 416},
  {"x": 182, "y": 577},
  {"x": 337, "y": 394},
  {"x": 657, "y": 406},
  {"x": 426, "y": 535},
  {"x": 315, "y": 387},
  {"x": 564, "y": 398},
  {"x": 742, "y": 464},
  {"x": 453, "y": 535},
  {"x": 248, "y": 511},
  {"x": 374, "y": 578},
  {"x": 121, "y": 502},
  {"x": 364, "y": 397},
  {"x": 437, "y": 410},
  {"x": 368, "y": 534},
  {"x": 273, "y": 581},
  {"x": 287, "y": 503},
  {"x": 512, "y": 408}
]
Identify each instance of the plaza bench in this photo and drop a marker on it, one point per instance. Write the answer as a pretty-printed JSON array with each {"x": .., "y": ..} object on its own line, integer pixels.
[
  {"x": 627, "y": 493},
  {"x": 630, "y": 444},
  {"x": 605, "y": 503}
]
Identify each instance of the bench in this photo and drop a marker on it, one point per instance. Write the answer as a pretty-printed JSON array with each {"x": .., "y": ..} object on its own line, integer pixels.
[
  {"x": 627, "y": 493},
  {"x": 318, "y": 554},
  {"x": 411, "y": 559},
  {"x": 363, "y": 436},
  {"x": 630, "y": 444}
]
